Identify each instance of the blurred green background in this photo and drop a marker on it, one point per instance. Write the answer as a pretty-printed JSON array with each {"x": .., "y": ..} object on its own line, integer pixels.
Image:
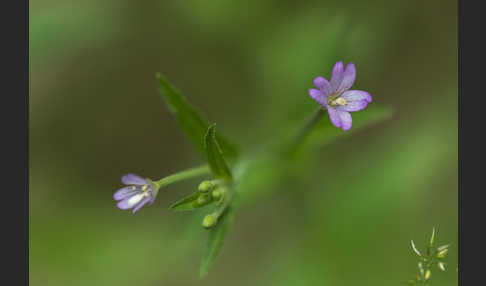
[{"x": 95, "y": 114}]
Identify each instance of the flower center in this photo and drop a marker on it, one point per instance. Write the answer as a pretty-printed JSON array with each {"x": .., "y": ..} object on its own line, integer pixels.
[
  {"x": 146, "y": 190},
  {"x": 335, "y": 100}
]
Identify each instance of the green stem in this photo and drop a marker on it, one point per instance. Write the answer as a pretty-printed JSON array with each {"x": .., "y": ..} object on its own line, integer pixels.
[
  {"x": 304, "y": 131},
  {"x": 187, "y": 174},
  {"x": 228, "y": 196}
]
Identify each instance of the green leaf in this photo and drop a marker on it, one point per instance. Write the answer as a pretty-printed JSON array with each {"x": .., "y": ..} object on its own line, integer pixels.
[
  {"x": 215, "y": 157},
  {"x": 188, "y": 203},
  {"x": 215, "y": 241},
  {"x": 324, "y": 132},
  {"x": 193, "y": 124}
]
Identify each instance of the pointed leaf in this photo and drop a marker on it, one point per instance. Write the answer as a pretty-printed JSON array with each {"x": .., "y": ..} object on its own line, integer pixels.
[
  {"x": 216, "y": 161},
  {"x": 323, "y": 132},
  {"x": 188, "y": 203},
  {"x": 191, "y": 121},
  {"x": 215, "y": 241}
]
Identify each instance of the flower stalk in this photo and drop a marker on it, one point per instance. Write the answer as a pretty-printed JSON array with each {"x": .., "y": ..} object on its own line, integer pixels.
[
  {"x": 180, "y": 176},
  {"x": 306, "y": 128}
]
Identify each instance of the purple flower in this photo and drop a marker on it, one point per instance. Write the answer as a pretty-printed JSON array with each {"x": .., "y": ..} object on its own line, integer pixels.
[
  {"x": 136, "y": 194},
  {"x": 336, "y": 96}
]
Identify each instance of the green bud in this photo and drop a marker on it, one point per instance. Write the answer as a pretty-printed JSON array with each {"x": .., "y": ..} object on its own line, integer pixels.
[
  {"x": 217, "y": 193},
  {"x": 440, "y": 248},
  {"x": 432, "y": 238},
  {"x": 205, "y": 186},
  {"x": 209, "y": 221},
  {"x": 442, "y": 253},
  {"x": 441, "y": 265},
  {"x": 203, "y": 199},
  {"x": 421, "y": 268},
  {"x": 427, "y": 274}
]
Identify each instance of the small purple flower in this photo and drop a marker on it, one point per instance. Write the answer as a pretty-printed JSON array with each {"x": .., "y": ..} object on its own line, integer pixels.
[
  {"x": 138, "y": 193},
  {"x": 336, "y": 96}
]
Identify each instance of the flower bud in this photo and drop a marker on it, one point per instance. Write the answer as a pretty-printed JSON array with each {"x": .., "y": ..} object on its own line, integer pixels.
[
  {"x": 432, "y": 238},
  {"x": 217, "y": 194},
  {"x": 205, "y": 186},
  {"x": 203, "y": 199},
  {"x": 427, "y": 274},
  {"x": 209, "y": 221},
  {"x": 421, "y": 268},
  {"x": 415, "y": 248},
  {"x": 441, "y": 266},
  {"x": 442, "y": 253},
  {"x": 440, "y": 248}
]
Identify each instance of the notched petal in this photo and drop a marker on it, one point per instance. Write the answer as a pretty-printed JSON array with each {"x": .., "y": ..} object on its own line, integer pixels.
[
  {"x": 130, "y": 202},
  {"x": 124, "y": 192},
  {"x": 352, "y": 106},
  {"x": 349, "y": 75},
  {"x": 337, "y": 75},
  {"x": 346, "y": 120},
  {"x": 132, "y": 179},
  {"x": 124, "y": 205},
  {"x": 356, "y": 100},
  {"x": 340, "y": 119},
  {"x": 141, "y": 204},
  {"x": 322, "y": 84},
  {"x": 334, "y": 117},
  {"x": 318, "y": 96},
  {"x": 355, "y": 95}
]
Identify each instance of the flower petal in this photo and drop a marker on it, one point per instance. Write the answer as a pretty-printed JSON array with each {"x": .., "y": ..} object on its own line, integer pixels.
[
  {"x": 318, "y": 96},
  {"x": 124, "y": 192},
  {"x": 349, "y": 75},
  {"x": 353, "y": 106},
  {"x": 132, "y": 179},
  {"x": 346, "y": 120},
  {"x": 356, "y": 100},
  {"x": 337, "y": 75},
  {"x": 141, "y": 204},
  {"x": 322, "y": 84},
  {"x": 355, "y": 95},
  {"x": 341, "y": 119},
  {"x": 130, "y": 202},
  {"x": 334, "y": 116}
]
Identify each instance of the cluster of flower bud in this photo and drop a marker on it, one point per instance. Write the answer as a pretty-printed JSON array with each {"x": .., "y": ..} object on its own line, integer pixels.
[
  {"x": 210, "y": 191},
  {"x": 433, "y": 256}
]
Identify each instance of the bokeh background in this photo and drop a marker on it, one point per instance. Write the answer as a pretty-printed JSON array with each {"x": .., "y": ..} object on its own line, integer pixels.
[{"x": 95, "y": 114}]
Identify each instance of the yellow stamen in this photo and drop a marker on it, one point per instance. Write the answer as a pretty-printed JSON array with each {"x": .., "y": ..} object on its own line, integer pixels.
[{"x": 341, "y": 101}]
